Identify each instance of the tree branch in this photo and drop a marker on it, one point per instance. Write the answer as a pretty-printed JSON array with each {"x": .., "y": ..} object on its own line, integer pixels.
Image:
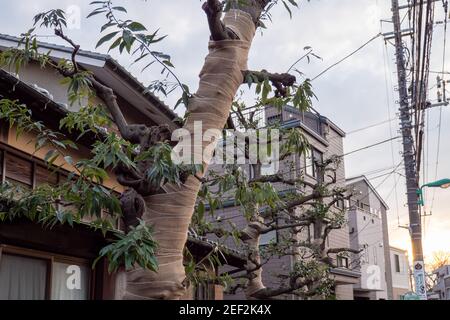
[
  {"x": 106, "y": 93},
  {"x": 340, "y": 250},
  {"x": 279, "y": 80},
  {"x": 213, "y": 10},
  {"x": 76, "y": 48}
]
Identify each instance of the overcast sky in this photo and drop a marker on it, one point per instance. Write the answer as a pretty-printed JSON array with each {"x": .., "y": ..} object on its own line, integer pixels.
[{"x": 355, "y": 94}]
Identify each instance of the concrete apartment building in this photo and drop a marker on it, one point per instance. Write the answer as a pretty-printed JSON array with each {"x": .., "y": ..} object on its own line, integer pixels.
[
  {"x": 368, "y": 225},
  {"x": 442, "y": 287},
  {"x": 33, "y": 260},
  {"x": 326, "y": 140},
  {"x": 401, "y": 275}
]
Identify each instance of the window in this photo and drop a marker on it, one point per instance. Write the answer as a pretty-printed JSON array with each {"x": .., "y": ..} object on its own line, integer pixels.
[
  {"x": 22, "y": 278},
  {"x": 365, "y": 255},
  {"x": 267, "y": 238},
  {"x": 22, "y": 170},
  {"x": 397, "y": 263},
  {"x": 274, "y": 119},
  {"x": 309, "y": 164},
  {"x": 62, "y": 286},
  {"x": 342, "y": 262},
  {"x": 310, "y": 233},
  {"x": 31, "y": 275},
  {"x": 340, "y": 204},
  {"x": 313, "y": 157}
]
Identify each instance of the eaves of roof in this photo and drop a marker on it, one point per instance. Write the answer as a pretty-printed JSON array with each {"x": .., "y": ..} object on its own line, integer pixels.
[{"x": 98, "y": 59}]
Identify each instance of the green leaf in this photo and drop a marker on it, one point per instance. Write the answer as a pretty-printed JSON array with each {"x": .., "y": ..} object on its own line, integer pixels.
[
  {"x": 50, "y": 155},
  {"x": 106, "y": 38},
  {"x": 201, "y": 210},
  {"x": 115, "y": 44},
  {"x": 136, "y": 26},
  {"x": 168, "y": 63},
  {"x": 106, "y": 26},
  {"x": 69, "y": 160},
  {"x": 288, "y": 9},
  {"x": 122, "y": 9},
  {"x": 95, "y": 12}
]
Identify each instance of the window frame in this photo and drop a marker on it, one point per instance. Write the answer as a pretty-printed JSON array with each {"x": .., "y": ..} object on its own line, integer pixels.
[
  {"x": 339, "y": 261},
  {"x": 398, "y": 268},
  {"x": 61, "y": 173},
  {"x": 311, "y": 154},
  {"x": 50, "y": 258}
]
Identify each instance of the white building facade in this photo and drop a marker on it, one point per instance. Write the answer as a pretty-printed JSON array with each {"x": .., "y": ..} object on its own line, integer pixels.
[
  {"x": 368, "y": 232},
  {"x": 401, "y": 280}
]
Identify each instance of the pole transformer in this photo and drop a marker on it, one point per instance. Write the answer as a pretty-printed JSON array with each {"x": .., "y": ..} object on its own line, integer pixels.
[{"x": 409, "y": 157}]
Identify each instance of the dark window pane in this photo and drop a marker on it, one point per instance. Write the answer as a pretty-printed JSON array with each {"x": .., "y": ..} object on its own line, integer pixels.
[{"x": 397, "y": 263}]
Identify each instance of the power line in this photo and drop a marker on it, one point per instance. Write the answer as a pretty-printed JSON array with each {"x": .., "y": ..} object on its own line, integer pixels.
[
  {"x": 437, "y": 156},
  {"x": 381, "y": 176},
  {"x": 445, "y": 4},
  {"x": 347, "y": 56},
  {"x": 388, "y": 99},
  {"x": 345, "y": 154},
  {"x": 371, "y": 126},
  {"x": 370, "y": 146}
]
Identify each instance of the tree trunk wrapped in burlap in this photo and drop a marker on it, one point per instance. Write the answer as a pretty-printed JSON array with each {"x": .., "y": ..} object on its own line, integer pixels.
[{"x": 170, "y": 213}]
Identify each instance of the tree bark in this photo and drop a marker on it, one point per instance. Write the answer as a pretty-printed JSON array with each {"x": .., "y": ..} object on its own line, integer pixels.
[{"x": 170, "y": 213}]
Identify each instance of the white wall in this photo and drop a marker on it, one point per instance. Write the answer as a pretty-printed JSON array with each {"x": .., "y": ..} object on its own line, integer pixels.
[
  {"x": 368, "y": 236},
  {"x": 367, "y": 224},
  {"x": 400, "y": 279}
]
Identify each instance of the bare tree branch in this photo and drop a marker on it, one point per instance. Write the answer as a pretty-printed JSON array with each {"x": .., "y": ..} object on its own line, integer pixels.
[{"x": 213, "y": 10}]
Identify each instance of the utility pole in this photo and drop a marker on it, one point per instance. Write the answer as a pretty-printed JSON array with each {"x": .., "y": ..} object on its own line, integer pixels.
[{"x": 412, "y": 181}]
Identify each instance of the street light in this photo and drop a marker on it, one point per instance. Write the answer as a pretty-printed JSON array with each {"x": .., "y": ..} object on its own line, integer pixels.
[{"x": 443, "y": 183}]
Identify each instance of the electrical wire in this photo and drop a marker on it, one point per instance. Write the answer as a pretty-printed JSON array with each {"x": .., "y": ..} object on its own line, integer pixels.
[
  {"x": 347, "y": 56},
  {"x": 437, "y": 157},
  {"x": 386, "y": 72},
  {"x": 371, "y": 126},
  {"x": 370, "y": 146},
  {"x": 445, "y": 4}
]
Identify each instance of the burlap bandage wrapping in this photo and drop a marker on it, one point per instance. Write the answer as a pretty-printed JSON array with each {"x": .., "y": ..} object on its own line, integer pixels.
[{"x": 170, "y": 213}]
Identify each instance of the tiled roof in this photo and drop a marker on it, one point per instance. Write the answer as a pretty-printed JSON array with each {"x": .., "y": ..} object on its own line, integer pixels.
[{"x": 107, "y": 59}]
